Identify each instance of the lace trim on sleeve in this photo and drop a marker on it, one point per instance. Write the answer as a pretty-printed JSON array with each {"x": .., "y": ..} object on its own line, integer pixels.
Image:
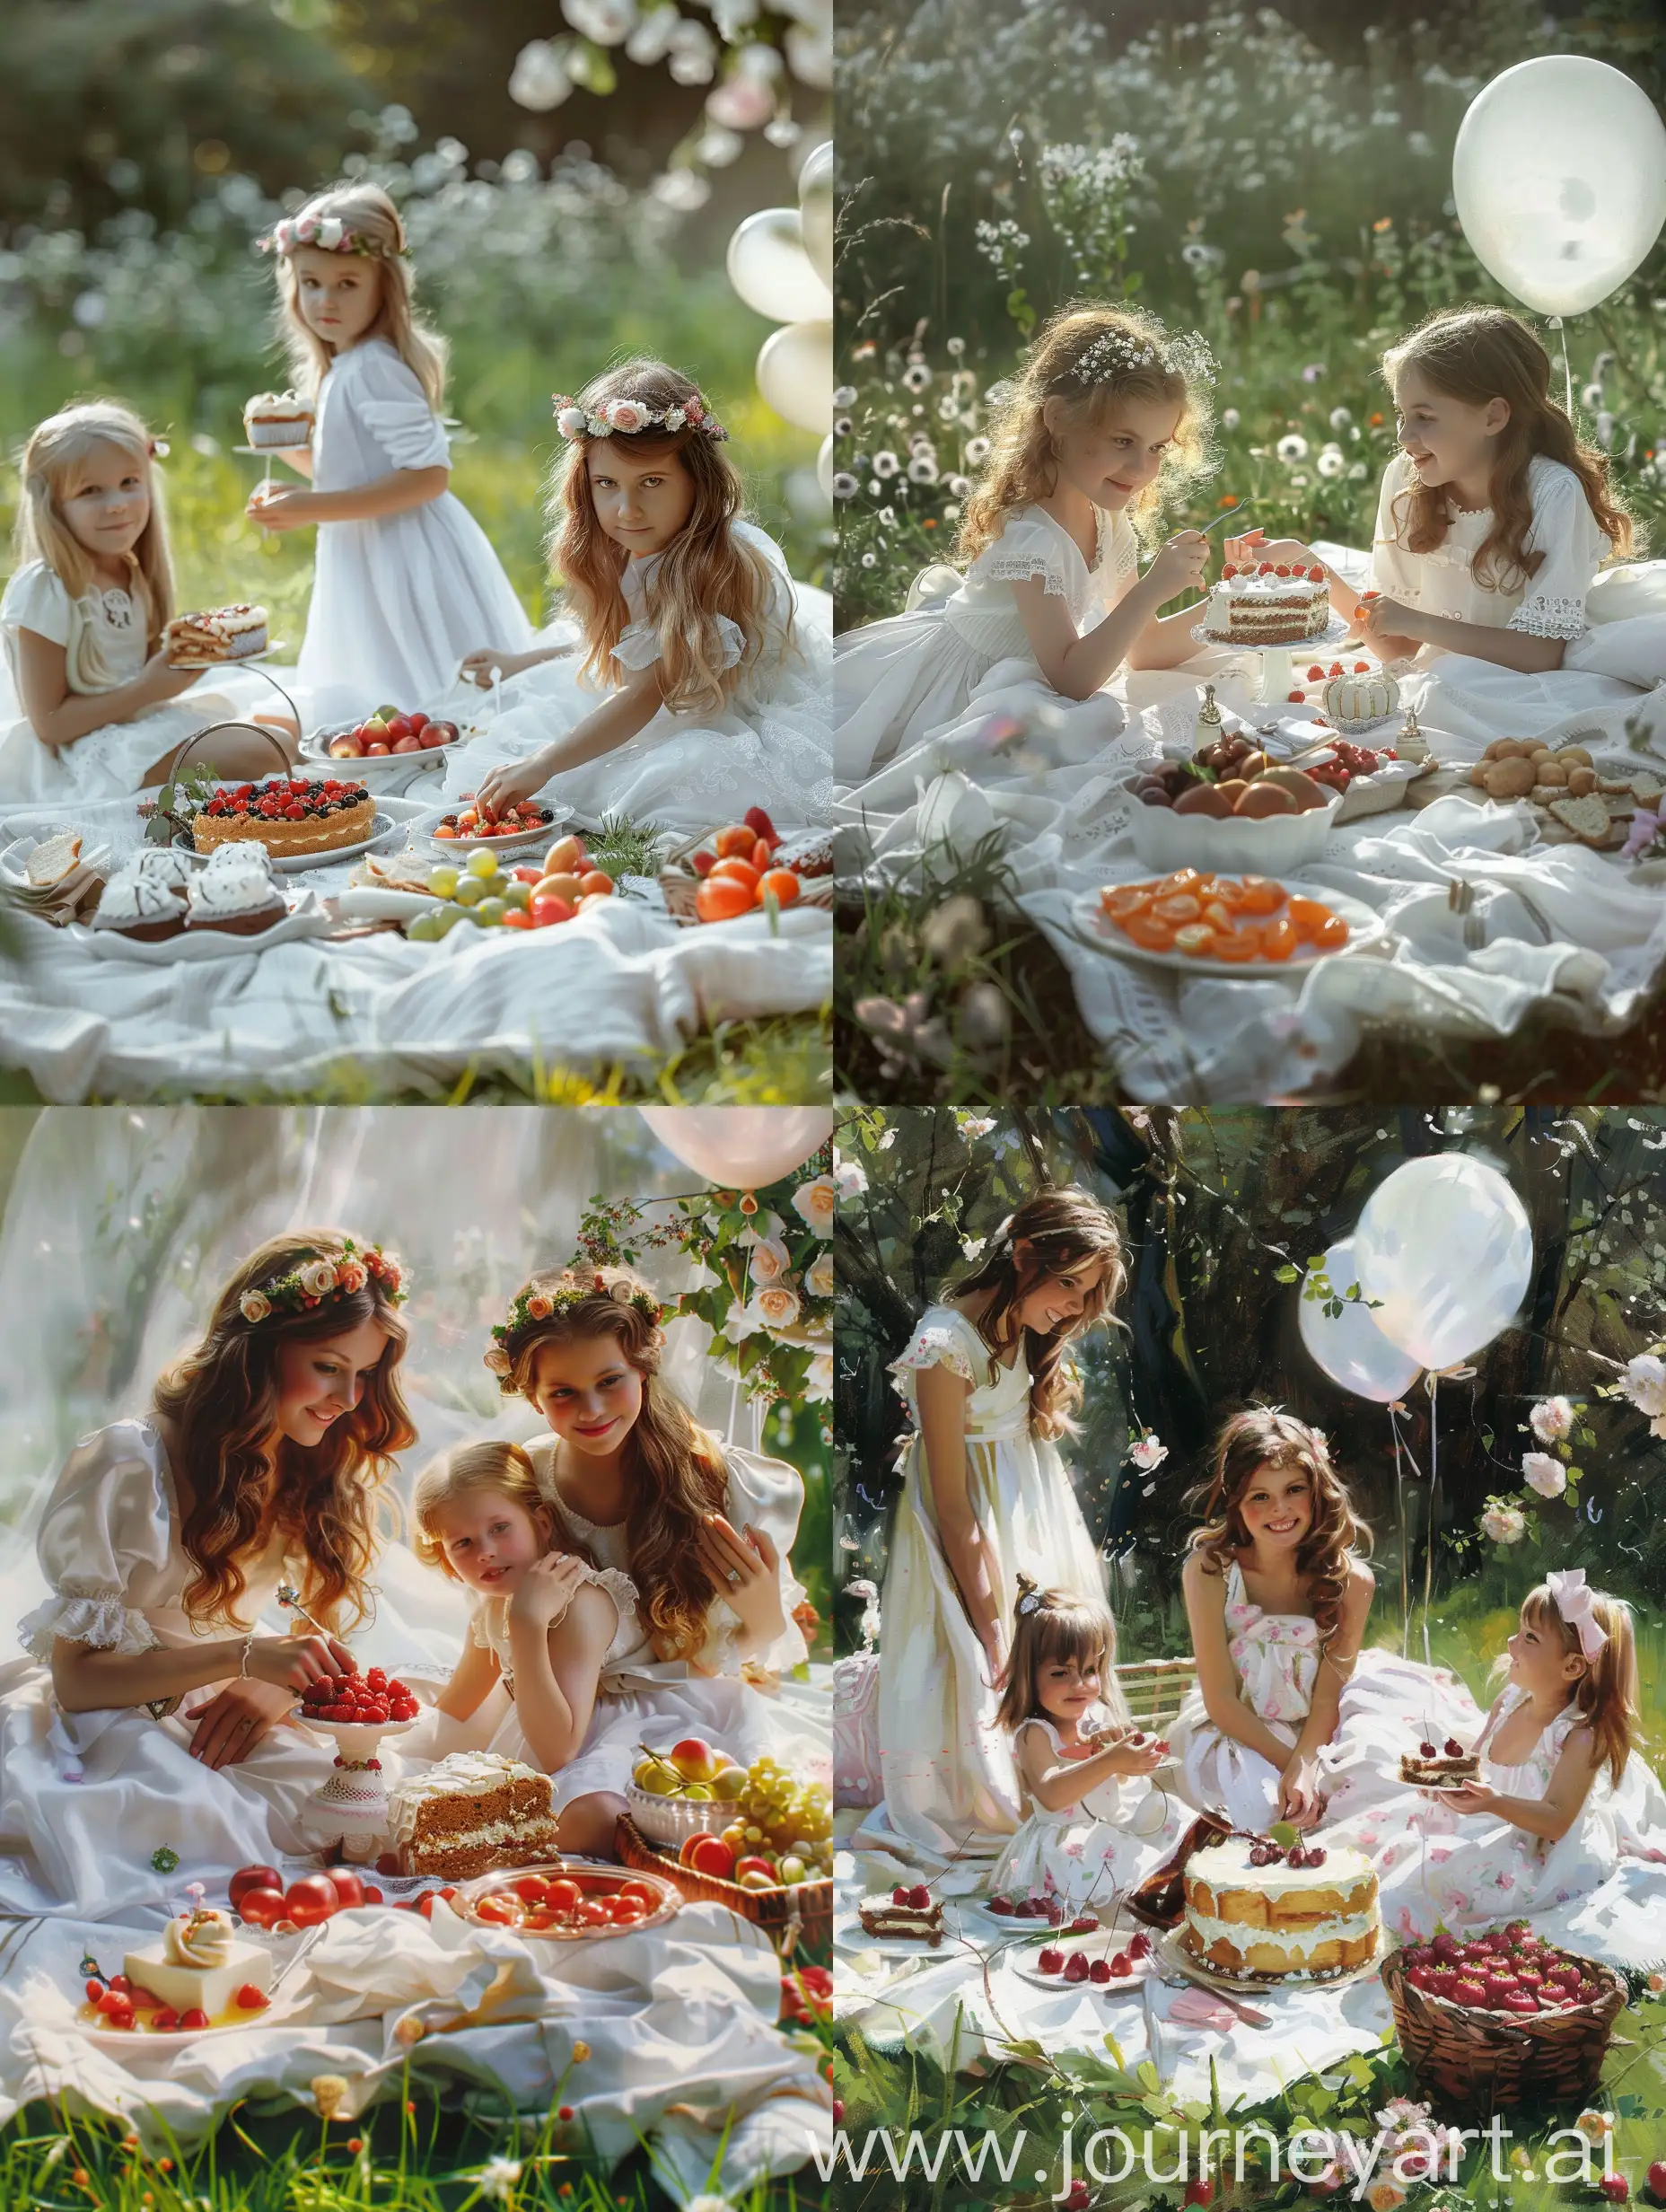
[
  {"x": 1550, "y": 618},
  {"x": 1019, "y": 567},
  {"x": 934, "y": 1345},
  {"x": 86, "y": 1613},
  {"x": 625, "y": 1598}
]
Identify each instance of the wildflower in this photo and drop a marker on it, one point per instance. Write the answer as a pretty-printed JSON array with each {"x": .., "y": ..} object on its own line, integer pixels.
[
  {"x": 581, "y": 2051},
  {"x": 845, "y": 396},
  {"x": 1376, "y": 422},
  {"x": 917, "y": 377},
  {"x": 956, "y": 931},
  {"x": 870, "y": 560},
  {"x": 843, "y": 426},
  {"x": 977, "y": 453},
  {"x": 706, "y": 2202},
  {"x": 1229, "y": 418},
  {"x": 984, "y": 1018},
  {"x": 1311, "y": 373},
  {"x": 1383, "y": 222},
  {"x": 845, "y": 484},
  {"x": 1384, "y": 2196},
  {"x": 921, "y": 470},
  {"x": 1340, "y": 418},
  {"x": 957, "y": 347},
  {"x": 1504, "y": 1525},
  {"x": 958, "y": 485},
  {"x": 1644, "y": 1383},
  {"x": 497, "y": 2178},
  {"x": 1551, "y": 1419},
  {"x": 1544, "y": 1474},
  {"x": 886, "y": 463},
  {"x": 1594, "y": 2126},
  {"x": 355, "y": 2144},
  {"x": 329, "y": 2091},
  {"x": 1148, "y": 1452},
  {"x": 1592, "y": 396},
  {"x": 1292, "y": 447},
  {"x": 1332, "y": 460}
]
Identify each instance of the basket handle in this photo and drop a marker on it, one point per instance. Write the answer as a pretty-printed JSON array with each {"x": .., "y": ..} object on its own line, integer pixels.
[{"x": 259, "y": 728}]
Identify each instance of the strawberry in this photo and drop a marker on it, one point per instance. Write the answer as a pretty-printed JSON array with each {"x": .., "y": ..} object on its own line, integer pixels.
[
  {"x": 919, "y": 1897},
  {"x": 195, "y": 2018},
  {"x": 1051, "y": 1962},
  {"x": 1282, "y": 569},
  {"x": 1421, "y": 1977},
  {"x": 1615, "y": 2187},
  {"x": 166, "y": 2021},
  {"x": 1100, "y": 1971},
  {"x": 1139, "y": 1946},
  {"x": 251, "y": 2000},
  {"x": 1002, "y": 1905},
  {"x": 704, "y": 863},
  {"x": 1316, "y": 574},
  {"x": 1454, "y": 1750},
  {"x": 899, "y": 1895},
  {"x": 1361, "y": 668},
  {"x": 1122, "y": 1965},
  {"x": 1467, "y": 1990},
  {"x": 1297, "y": 698},
  {"x": 95, "y": 1990},
  {"x": 756, "y": 819},
  {"x": 1086, "y": 1926},
  {"x": 1315, "y": 672},
  {"x": 1228, "y": 569},
  {"x": 1076, "y": 1967}
]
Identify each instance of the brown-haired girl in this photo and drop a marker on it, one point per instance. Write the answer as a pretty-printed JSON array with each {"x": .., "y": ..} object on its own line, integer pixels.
[
  {"x": 159, "y": 1727},
  {"x": 702, "y": 1530},
  {"x": 1107, "y": 418},
  {"x": 713, "y": 676},
  {"x": 987, "y": 1380},
  {"x": 405, "y": 580}
]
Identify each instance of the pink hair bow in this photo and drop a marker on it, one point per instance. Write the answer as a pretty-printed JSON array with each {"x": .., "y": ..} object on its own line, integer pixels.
[{"x": 1572, "y": 1601}]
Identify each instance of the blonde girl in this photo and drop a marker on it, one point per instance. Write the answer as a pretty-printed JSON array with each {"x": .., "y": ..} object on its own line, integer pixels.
[
  {"x": 92, "y": 716},
  {"x": 700, "y": 686},
  {"x": 987, "y": 1380},
  {"x": 1104, "y": 423},
  {"x": 544, "y": 1618},
  {"x": 405, "y": 580}
]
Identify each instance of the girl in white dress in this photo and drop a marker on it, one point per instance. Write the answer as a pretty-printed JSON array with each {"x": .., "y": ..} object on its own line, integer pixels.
[
  {"x": 1290, "y": 1717},
  {"x": 154, "y": 1729},
  {"x": 1492, "y": 522},
  {"x": 1095, "y": 1826},
  {"x": 405, "y": 580},
  {"x": 1562, "y": 1799},
  {"x": 89, "y": 714},
  {"x": 1106, "y": 420},
  {"x": 703, "y": 689},
  {"x": 698, "y": 1531},
  {"x": 985, "y": 1497}
]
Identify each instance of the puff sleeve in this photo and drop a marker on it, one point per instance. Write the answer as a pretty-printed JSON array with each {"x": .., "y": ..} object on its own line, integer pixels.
[
  {"x": 394, "y": 409},
  {"x": 943, "y": 1338},
  {"x": 36, "y": 600},
  {"x": 1027, "y": 551},
  {"x": 769, "y": 1495},
  {"x": 106, "y": 1527},
  {"x": 1566, "y": 532},
  {"x": 639, "y": 643}
]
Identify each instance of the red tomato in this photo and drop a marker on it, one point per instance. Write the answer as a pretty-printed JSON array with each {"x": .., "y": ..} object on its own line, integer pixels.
[
  {"x": 593, "y": 1914},
  {"x": 516, "y": 919},
  {"x": 249, "y": 1878},
  {"x": 564, "y": 1896},
  {"x": 640, "y": 1891},
  {"x": 538, "y": 1921},
  {"x": 373, "y": 1895},
  {"x": 547, "y": 911},
  {"x": 310, "y": 1901},
  {"x": 261, "y": 1908},
  {"x": 625, "y": 1911},
  {"x": 737, "y": 871},
  {"x": 347, "y": 1885},
  {"x": 781, "y": 881},
  {"x": 533, "y": 1888},
  {"x": 498, "y": 1911}
]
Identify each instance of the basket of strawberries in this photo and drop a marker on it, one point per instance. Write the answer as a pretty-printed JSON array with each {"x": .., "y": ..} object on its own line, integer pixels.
[{"x": 1494, "y": 2021}]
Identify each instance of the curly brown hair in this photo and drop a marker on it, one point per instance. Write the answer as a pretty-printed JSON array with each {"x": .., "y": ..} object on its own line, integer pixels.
[
  {"x": 244, "y": 1481},
  {"x": 1049, "y": 1626},
  {"x": 1266, "y": 1436},
  {"x": 677, "y": 1470},
  {"x": 1477, "y": 354},
  {"x": 1063, "y": 1230}
]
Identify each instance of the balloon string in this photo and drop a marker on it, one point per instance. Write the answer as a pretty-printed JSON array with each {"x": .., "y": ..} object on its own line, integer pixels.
[
  {"x": 1428, "y": 1547},
  {"x": 1567, "y": 374},
  {"x": 1399, "y": 1508}
]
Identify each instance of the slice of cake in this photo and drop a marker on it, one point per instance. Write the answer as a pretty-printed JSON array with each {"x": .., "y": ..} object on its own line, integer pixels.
[
  {"x": 1258, "y": 1911},
  {"x": 278, "y": 420},
  {"x": 1270, "y": 604},
  {"x": 217, "y": 634},
  {"x": 289, "y": 815},
  {"x": 472, "y": 1812},
  {"x": 915, "y": 1913},
  {"x": 1438, "y": 1766},
  {"x": 200, "y": 1963}
]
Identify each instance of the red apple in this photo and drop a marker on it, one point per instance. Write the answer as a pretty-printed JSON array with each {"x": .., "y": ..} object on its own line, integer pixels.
[
  {"x": 419, "y": 723},
  {"x": 377, "y": 751},
  {"x": 709, "y": 1855},
  {"x": 441, "y": 733},
  {"x": 311, "y": 1899},
  {"x": 398, "y": 728},
  {"x": 409, "y": 743},
  {"x": 262, "y": 1908},
  {"x": 249, "y": 1878},
  {"x": 347, "y": 1886},
  {"x": 346, "y": 749},
  {"x": 694, "y": 1758},
  {"x": 754, "y": 1865}
]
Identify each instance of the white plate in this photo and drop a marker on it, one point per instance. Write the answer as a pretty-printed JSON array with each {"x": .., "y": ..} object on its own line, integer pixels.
[
  {"x": 297, "y": 863},
  {"x": 849, "y": 1935},
  {"x": 307, "y": 918},
  {"x": 1092, "y": 925},
  {"x": 526, "y": 842},
  {"x": 13, "y": 861},
  {"x": 120, "y": 2042},
  {"x": 1105, "y": 1944},
  {"x": 260, "y": 452},
  {"x": 315, "y": 747},
  {"x": 242, "y": 660},
  {"x": 1332, "y": 635}
]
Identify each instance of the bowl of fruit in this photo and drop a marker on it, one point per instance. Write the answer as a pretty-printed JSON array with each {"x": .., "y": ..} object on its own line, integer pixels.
[
  {"x": 673, "y": 1793},
  {"x": 569, "y": 1902},
  {"x": 412, "y": 738},
  {"x": 1230, "y": 806},
  {"x": 747, "y": 867},
  {"x": 764, "y": 1848},
  {"x": 1505, "y": 2019}
]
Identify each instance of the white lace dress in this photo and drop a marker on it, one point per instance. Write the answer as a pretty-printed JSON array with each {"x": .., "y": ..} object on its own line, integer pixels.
[
  {"x": 911, "y": 694},
  {"x": 951, "y": 1789},
  {"x": 103, "y": 638},
  {"x": 1087, "y": 1853},
  {"x": 1455, "y": 693},
  {"x": 398, "y": 601},
  {"x": 769, "y": 746},
  {"x": 86, "y": 1799}
]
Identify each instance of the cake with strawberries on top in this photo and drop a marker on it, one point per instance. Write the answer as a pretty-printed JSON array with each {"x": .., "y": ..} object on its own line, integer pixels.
[
  {"x": 907, "y": 1912},
  {"x": 289, "y": 815},
  {"x": 1270, "y": 603},
  {"x": 1438, "y": 1766}
]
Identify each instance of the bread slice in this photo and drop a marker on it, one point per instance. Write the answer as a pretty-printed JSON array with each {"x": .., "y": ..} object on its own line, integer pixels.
[
  {"x": 51, "y": 862},
  {"x": 1587, "y": 818}
]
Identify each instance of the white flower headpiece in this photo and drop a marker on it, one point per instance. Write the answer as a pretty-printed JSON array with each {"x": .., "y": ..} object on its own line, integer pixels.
[
  {"x": 1572, "y": 1601},
  {"x": 1117, "y": 354},
  {"x": 630, "y": 416},
  {"x": 329, "y": 233}
]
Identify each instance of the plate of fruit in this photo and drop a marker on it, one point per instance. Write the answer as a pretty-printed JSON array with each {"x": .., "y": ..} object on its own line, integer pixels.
[
  {"x": 485, "y": 887},
  {"x": 569, "y": 1902},
  {"x": 1107, "y": 1961},
  {"x": 201, "y": 1974},
  {"x": 747, "y": 867},
  {"x": 527, "y": 823},
  {"x": 673, "y": 1791},
  {"x": 391, "y": 734},
  {"x": 1198, "y": 923},
  {"x": 373, "y": 1701}
]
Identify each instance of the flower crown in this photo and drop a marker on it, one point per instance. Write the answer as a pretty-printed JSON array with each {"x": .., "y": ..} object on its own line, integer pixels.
[
  {"x": 532, "y": 1307},
  {"x": 318, "y": 1280},
  {"x": 574, "y": 420},
  {"x": 1117, "y": 354},
  {"x": 329, "y": 234}
]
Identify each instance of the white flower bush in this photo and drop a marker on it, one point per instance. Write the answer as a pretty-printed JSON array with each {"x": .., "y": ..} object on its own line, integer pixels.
[
  {"x": 1544, "y": 1474},
  {"x": 1551, "y": 1420},
  {"x": 1504, "y": 1525}
]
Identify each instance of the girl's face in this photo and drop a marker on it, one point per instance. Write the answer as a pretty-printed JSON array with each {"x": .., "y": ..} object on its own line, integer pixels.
[
  {"x": 1538, "y": 1663},
  {"x": 588, "y": 1391},
  {"x": 105, "y": 500},
  {"x": 642, "y": 503},
  {"x": 1447, "y": 441},
  {"x": 1278, "y": 1506},
  {"x": 1059, "y": 1299},
  {"x": 1111, "y": 461},
  {"x": 489, "y": 1540},
  {"x": 338, "y": 295},
  {"x": 1066, "y": 1688},
  {"x": 318, "y": 1381}
]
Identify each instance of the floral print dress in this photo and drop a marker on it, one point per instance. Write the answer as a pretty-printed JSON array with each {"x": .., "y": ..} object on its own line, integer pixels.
[{"x": 1090, "y": 1853}]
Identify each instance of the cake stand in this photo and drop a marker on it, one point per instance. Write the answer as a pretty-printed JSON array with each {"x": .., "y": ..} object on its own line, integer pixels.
[
  {"x": 269, "y": 453},
  {"x": 1277, "y": 677},
  {"x": 352, "y": 1807}
]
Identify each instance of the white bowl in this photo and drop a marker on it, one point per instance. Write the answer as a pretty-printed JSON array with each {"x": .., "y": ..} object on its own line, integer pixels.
[
  {"x": 1277, "y": 844},
  {"x": 672, "y": 1820}
]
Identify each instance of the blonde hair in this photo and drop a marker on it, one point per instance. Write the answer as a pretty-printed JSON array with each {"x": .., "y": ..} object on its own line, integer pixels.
[
  {"x": 706, "y": 573},
  {"x": 1023, "y": 462},
  {"x": 1605, "y": 1693},
  {"x": 366, "y": 211},
  {"x": 56, "y": 449},
  {"x": 1051, "y": 1628},
  {"x": 503, "y": 1469}
]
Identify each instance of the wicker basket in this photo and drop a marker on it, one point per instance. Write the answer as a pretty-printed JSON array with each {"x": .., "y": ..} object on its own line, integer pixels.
[
  {"x": 799, "y": 1917},
  {"x": 1473, "y": 2063},
  {"x": 679, "y": 888}
]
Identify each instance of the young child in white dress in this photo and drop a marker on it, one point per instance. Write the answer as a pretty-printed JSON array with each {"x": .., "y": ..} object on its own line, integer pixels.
[
  {"x": 985, "y": 1497},
  {"x": 1095, "y": 1826},
  {"x": 404, "y": 581},
  {"x": 703, "y": 689},
  {"x": 1563, "y": 1800},
  {"x": 90, "y": 714},
  {"x": 150, "y": 1741},
  {"x": 1106, "y": 420}
]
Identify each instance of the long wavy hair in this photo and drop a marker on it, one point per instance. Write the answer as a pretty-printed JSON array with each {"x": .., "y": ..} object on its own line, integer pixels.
[
  {"x": 221, "y": 1398},
  {"x": 371, "y": 215},
  {"x": 1063, "y": 1230},
  {"x": 503, "y": 1469},
  {"x": 1023, "y": 462},
  {"x": 1057, "y": 1628},
  {"x": 1605, "y": 1693},
  {"x": 1264, "y": 1437},
  {"x": 706, "y": 571},
  {"x": 1477, "y": 354},
  {"x": 55, "y": 450},
  {"x": 677, "y": 1470}
]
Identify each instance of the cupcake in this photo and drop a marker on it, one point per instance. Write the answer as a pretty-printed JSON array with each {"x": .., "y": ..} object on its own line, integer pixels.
[
  {"x": 235, "y": 892},
  {"x": 133, "y": 906},
  {"x": 165, "y": 864}
]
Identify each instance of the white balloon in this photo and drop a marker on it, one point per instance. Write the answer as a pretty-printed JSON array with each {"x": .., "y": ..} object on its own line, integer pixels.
[
  {"x": 815, "y": 206},
  {"x": 795, "y": 374},
  {"x": 1559, "y": 176},
  {"x": 741, "y": 1147},
  {"x": 771, "y": 271},
  {"x": 1350, "y": 1346},
  {"x": 1445, "y": 1248},
  {"x": 824, "y": 466}
]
